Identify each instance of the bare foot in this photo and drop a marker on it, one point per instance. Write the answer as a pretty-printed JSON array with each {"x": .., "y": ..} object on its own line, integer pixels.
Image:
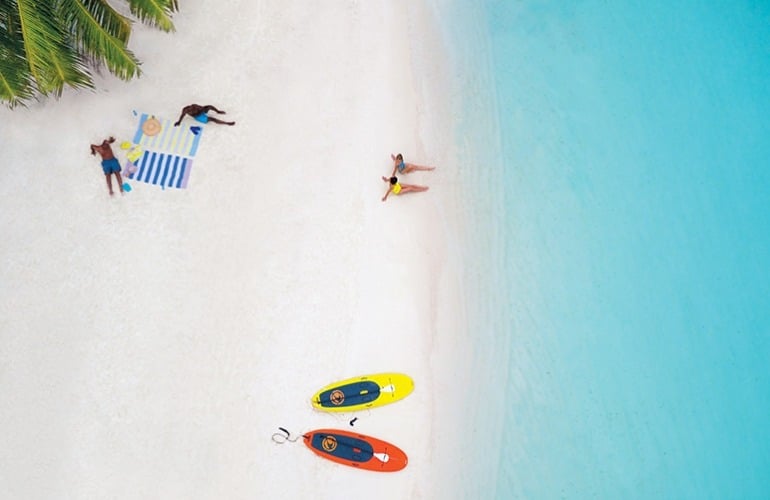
[
  {"x": 231, "y": 123},
  {"x": 112, "y": 194}
]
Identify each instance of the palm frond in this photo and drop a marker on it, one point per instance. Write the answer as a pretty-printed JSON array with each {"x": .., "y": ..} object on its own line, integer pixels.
[
  {"x": 47, "y": 44},
  {"x": 101, "y": 33},
  {"x": 156, "y": 13},
  {"x": 41, "y": 37},
  {"x": 53, "y": 60},
  {"x": 83, "y": 15},
  {"x": 68, "y": 68},
  {"x": 16, "y": 86}
]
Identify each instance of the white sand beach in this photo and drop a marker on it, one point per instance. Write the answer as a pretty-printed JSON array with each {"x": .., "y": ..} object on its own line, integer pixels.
[{"x": 151, "y": 343}]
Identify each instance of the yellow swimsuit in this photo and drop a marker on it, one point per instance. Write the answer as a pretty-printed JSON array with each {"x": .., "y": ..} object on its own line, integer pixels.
[{"x": 396, "y": 188}]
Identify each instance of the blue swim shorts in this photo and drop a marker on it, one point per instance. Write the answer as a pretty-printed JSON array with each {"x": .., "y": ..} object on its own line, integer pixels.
[
  {"x": 110, "y": 166},
  {"x": 203, "y": 118}
]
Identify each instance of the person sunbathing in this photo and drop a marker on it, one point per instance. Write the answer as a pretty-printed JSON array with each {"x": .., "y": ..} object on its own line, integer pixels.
[
  {"x": 110, "y": 164},
  {"x": 405, "y": 168},
  {"x": 396, "y": 188},
  {"x": 200, "y": 113}
]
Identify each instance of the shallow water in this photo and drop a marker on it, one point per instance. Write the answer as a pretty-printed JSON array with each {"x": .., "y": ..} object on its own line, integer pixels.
[{"x": 624, "y": 243}]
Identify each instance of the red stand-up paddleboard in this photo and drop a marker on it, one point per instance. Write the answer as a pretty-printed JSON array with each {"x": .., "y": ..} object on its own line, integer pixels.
[{"x": 356, "y": 450}]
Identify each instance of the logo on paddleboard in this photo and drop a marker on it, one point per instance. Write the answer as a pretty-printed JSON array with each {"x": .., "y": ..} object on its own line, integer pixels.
[
  {"x": 329, "y": 443},
  {"x": 337, "y": 397}
]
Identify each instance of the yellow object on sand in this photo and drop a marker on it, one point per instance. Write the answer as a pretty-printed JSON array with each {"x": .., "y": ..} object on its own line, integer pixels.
[
  {"x": 361, "y": 393},
  {"x": 134, "y": 154},
  {"x": 125, "y": 145}
]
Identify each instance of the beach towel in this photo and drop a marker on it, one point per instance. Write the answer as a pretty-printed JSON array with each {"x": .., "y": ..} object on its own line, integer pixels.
[
  {"x": 164, "y": 156},
  {"x": 175, "y": 140},
  {"x": 162, "y": 169}
]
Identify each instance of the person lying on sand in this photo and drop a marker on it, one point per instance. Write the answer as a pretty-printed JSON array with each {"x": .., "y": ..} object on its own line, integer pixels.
[
  {"x": 405, "y": 168},
  {"x": 110, "y": 164},
  {"x": 200, "y": 113},
  {"x": 396, "y": 188}
]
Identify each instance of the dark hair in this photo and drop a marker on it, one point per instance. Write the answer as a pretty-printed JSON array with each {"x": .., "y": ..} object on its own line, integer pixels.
[
  {"x": 399, "y": 157},
  {"x": 393, "y": 180}
]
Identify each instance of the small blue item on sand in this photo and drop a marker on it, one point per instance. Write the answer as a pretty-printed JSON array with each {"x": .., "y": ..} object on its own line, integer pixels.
[
  {"x": 195, "y": 130},
  {"x": 126, "y": 187}
]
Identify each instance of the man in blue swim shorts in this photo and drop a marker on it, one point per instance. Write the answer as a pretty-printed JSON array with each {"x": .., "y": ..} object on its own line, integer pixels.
[
  {"x": 110, "y": 164},
  {"x": 200, "y": 113}
]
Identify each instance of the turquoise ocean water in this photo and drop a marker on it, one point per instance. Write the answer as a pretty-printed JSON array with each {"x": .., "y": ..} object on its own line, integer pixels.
[{"x": 622, "y": 152}]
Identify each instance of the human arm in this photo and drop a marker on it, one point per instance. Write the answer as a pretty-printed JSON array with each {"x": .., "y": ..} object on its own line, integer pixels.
[
  {"x": 111, "y": 140},
  {"x": 184, "y": 112},
  {"x": 390, "y": 188},
  {"x": 93, "y": 151}
]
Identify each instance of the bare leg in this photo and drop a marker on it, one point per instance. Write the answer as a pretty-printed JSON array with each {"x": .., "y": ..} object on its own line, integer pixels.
[
  {"x": 411, "y": 167},
  {"x": 411, "y": 188},
  {"x": 209, "y": 107},
  {"x": 216, "y": 120},
  {"x": 109, "y": 183},
  {"x": 120, "y": 181}
]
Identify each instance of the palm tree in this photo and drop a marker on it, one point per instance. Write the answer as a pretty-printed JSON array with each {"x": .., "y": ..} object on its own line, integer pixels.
[{"x": 47, "y": 44}]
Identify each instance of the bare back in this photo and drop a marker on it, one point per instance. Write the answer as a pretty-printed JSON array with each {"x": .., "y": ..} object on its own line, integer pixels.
[
  {"x": 104, "y": 150},
  {"x": 193, "y": 109}
]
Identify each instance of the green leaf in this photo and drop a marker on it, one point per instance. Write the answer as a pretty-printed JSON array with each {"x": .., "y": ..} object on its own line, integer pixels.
[
  {"x": 101, "y": 33},
  {"x": 41, "y": 37},
  {"x": 16, "y": 85},
  {"x": 156, "y": 13},
  {"x": 86, "y": 15},
  {"x": 47, "y": 44}
]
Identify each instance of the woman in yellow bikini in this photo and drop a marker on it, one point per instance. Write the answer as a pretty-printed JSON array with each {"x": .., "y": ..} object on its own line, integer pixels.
[{"x": 397, "y": 188}]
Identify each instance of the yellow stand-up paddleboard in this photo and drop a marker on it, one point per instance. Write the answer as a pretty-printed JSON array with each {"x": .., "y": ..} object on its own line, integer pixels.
[{"x": 361, "y": 393}]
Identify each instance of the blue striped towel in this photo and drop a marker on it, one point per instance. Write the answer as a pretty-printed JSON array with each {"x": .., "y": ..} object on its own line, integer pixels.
[{"x": 165, "y": 170}]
